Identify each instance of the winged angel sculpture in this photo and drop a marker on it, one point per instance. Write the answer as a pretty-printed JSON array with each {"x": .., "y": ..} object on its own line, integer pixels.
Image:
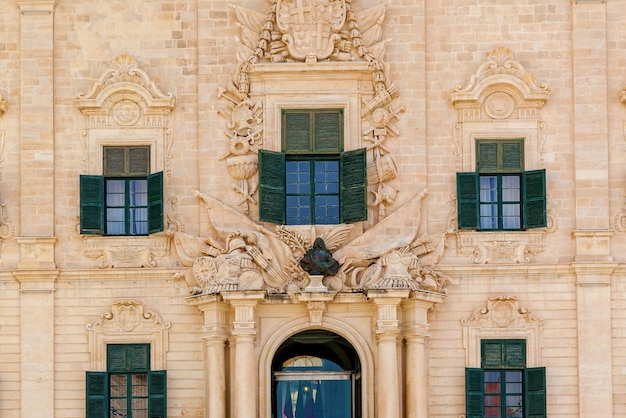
[{"x": 241, "y": 254}]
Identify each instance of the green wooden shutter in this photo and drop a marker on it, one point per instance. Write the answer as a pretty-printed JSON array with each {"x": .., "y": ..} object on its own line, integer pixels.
[
  {"x": 512, "y": 158},
  {"x": 487, "y": 157},
  {"x": 297, "y": 131},
  {"x": 467, "y": 200},
  {"x": 91, "y": 205},
  {"x": 535, "y": 392},
  {"x": 474, "y": 393},
  {"x": 492, "y": 354},
  {"x": 272, "y": 186},
  {"x": 328, "y": 131},
  {"x": 128, "y": 358},
  {"x": 498, "y": 354},
  {"x": 157, "y": 394},
  {"x": 97, "y": 396},
  {"x": 155, "y": 202},
  {"x": 514, "y": 354},
  {"x": 139, "y": 161},
  {"x": 534, "y": 205},
  {"x": 114, "y": 161},
  {"x": 353, "y": 172}
]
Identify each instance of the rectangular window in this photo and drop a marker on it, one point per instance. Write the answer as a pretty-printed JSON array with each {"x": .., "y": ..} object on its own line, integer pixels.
[
  {"x": 126, "y": 199},
  {"x": 500, "y": 195},
  {"x": 128, "y": 388},
  {"x": 312, "y": 181},
  {"x": 503, "y": 387}
]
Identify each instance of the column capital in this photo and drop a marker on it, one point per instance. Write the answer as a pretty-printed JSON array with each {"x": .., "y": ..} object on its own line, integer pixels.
[
  {"x": 387, "y": 301},
  {"x": 244, "y": 303},
  {"x": 216, "y": 316}
]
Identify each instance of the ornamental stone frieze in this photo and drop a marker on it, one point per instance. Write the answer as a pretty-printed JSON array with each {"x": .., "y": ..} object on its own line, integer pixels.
[
  {"x": 317, "y": 44},
  {"x": 127, "y": 252},
  {"x": 239, "y": 254}
]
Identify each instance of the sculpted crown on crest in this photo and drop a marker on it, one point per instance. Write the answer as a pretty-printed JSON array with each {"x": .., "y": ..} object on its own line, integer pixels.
[{"x": 311, "y": 27}]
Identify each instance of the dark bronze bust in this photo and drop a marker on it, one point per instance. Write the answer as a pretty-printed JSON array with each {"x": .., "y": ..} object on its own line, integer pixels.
[{"x": 319, "y": 260}]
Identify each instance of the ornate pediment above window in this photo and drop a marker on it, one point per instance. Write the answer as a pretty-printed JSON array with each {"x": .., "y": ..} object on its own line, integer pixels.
[
  {"x": 499, "y": 89},
  {"x": 125, "y": 107},
  {"x": 502, "y": 318},
  {"x": 500, "y": 100},
  {"x": 128, "y": 322},
  {"x": 125, "y": 96}
]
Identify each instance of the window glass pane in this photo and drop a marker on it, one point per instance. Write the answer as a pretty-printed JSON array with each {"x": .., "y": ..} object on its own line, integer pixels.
[
  {"x": 514, "y": 407},
  {"x": 511, "y": 217},
  {"x": 118, "y": 385},
  {"x": 489, "y": 216},
  {"x": 118, "y": 408},
  {"x": 115, "y": 222},
  {"x": 138, "y": 190},
  {"x": 492, "y": 411},
  {"x": 510, "y": 188}
]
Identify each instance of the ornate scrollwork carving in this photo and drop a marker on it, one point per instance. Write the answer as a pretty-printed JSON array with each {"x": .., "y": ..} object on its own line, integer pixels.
[{"x": 330, "y": 31}]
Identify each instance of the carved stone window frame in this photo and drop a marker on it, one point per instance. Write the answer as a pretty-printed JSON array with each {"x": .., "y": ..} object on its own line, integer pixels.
[
  {"x": 128, "y": 323},
  {"x": 283, "y": 87},
  {"x": 500, "y": 101},
  {"x": 502, "y": 318},
  {"x": 126, "y": 108}
]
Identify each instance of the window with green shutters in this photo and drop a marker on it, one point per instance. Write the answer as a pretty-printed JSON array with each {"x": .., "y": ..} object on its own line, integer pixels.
[
  {"x": 500, "y": 195},
  {"x": 128, "y": 388},
  {"x": 504, "y": 387},
  {"x": 126, "y": 199},
  {"x": 313, "y": 180}
]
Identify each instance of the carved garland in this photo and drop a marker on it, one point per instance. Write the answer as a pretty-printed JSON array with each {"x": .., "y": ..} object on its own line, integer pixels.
[{"x": 271, "y": 38}]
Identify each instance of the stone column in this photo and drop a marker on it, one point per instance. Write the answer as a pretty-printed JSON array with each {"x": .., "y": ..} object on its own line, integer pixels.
[
  {"x": 415, "y": 330},
  {"x": 37, "y": 343},
  {"x": 595, "y": 366},
  {"x": 388, "y": 397},
  {"x": 37, "y": 132},
  {"x": 245, "y": 380},
  {"x": 216, "y": 331},
  {"x": 590, "y": 123}
]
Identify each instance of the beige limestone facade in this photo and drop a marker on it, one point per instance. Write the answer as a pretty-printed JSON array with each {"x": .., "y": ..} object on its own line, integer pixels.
[{"x": 218, "y": 292}]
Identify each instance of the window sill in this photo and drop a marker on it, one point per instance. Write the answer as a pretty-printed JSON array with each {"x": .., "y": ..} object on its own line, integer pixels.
[
  {"x": 126, "y": 251},
  {"x": 500, "y": 247}
]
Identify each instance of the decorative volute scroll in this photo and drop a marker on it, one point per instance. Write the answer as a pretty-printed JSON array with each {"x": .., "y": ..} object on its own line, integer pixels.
[
  {"x": 329, "y": 38},
  {"x": 502, "y": 318},
  {"x": 125, "y": 96},
  {"x": 128, "y": 322}
]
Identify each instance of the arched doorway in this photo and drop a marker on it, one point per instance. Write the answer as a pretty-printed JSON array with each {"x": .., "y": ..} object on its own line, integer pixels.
[{"x": 316, "y": 374}]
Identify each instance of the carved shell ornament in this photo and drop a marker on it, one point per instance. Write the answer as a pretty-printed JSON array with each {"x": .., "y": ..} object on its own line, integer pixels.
[{"x": 309, "y": 31}]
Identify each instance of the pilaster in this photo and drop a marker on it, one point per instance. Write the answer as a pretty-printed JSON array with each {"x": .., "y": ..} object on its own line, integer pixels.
[
  {"x": 593, "y": 302},
  {"x": 590, "y": 93},
  {"x": 37, "y": 118},
  {"x": 37, "y": 342}
]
